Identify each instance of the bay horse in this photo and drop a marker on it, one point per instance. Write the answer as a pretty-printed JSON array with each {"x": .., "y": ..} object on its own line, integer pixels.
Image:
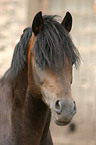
[{"x": 38, "y": 83}]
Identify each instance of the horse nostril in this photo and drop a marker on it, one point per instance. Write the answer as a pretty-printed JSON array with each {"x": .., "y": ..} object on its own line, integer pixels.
[
  {"x": 74, "y": 107},
  {"x": 58, "y": 106}
]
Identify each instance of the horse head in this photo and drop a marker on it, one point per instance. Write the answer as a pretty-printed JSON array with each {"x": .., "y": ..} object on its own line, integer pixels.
[{"x": 51, "y": 55}]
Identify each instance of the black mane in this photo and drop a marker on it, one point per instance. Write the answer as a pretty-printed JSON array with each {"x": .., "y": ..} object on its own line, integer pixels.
[
  {"x": 53, "y": 44},
  {"x": 19, "y": 60}
]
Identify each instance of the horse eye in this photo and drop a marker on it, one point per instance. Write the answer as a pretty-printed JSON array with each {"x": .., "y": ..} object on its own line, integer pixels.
[
  {"x": 41, "y": 82},
  {"x": 73, "y": 62},
  {"x": 71, "y": 77}
]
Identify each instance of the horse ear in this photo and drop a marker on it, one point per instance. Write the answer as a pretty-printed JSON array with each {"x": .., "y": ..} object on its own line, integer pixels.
[
  {"x": 67, "y": 22},
  {"x": 37, "y": 23}
]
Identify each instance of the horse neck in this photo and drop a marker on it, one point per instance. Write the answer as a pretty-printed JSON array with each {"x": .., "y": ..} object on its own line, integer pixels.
[
  {"x": 35, "y": 117},
  {"x": 30, "y": 116},
  {"x": 19, "y": 87}
]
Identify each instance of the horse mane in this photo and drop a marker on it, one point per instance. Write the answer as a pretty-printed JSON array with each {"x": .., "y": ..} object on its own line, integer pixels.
[
  {"x": 19, "y": 60},
  {"x": 53, "y": 44}
]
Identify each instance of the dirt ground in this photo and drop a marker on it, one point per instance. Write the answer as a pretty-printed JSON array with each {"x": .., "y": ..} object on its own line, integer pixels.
[{"x": 13, "y": 16}]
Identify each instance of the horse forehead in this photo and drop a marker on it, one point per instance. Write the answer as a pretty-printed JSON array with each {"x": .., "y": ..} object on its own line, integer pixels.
[{"x": 55, "y": 76}]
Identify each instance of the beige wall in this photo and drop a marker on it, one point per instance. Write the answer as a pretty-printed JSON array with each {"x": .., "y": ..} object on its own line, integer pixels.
[{"x": 33, "y": 6}]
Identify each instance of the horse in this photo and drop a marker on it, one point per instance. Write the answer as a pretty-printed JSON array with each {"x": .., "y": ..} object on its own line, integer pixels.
[{"x": 38, "y": 82}]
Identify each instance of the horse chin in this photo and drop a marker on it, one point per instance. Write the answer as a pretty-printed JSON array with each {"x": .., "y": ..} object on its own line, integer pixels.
[{"x": 60, "y": 123}]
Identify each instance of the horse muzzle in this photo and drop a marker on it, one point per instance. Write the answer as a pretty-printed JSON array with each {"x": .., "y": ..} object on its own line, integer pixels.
[{"x": 64, "y": 110}]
